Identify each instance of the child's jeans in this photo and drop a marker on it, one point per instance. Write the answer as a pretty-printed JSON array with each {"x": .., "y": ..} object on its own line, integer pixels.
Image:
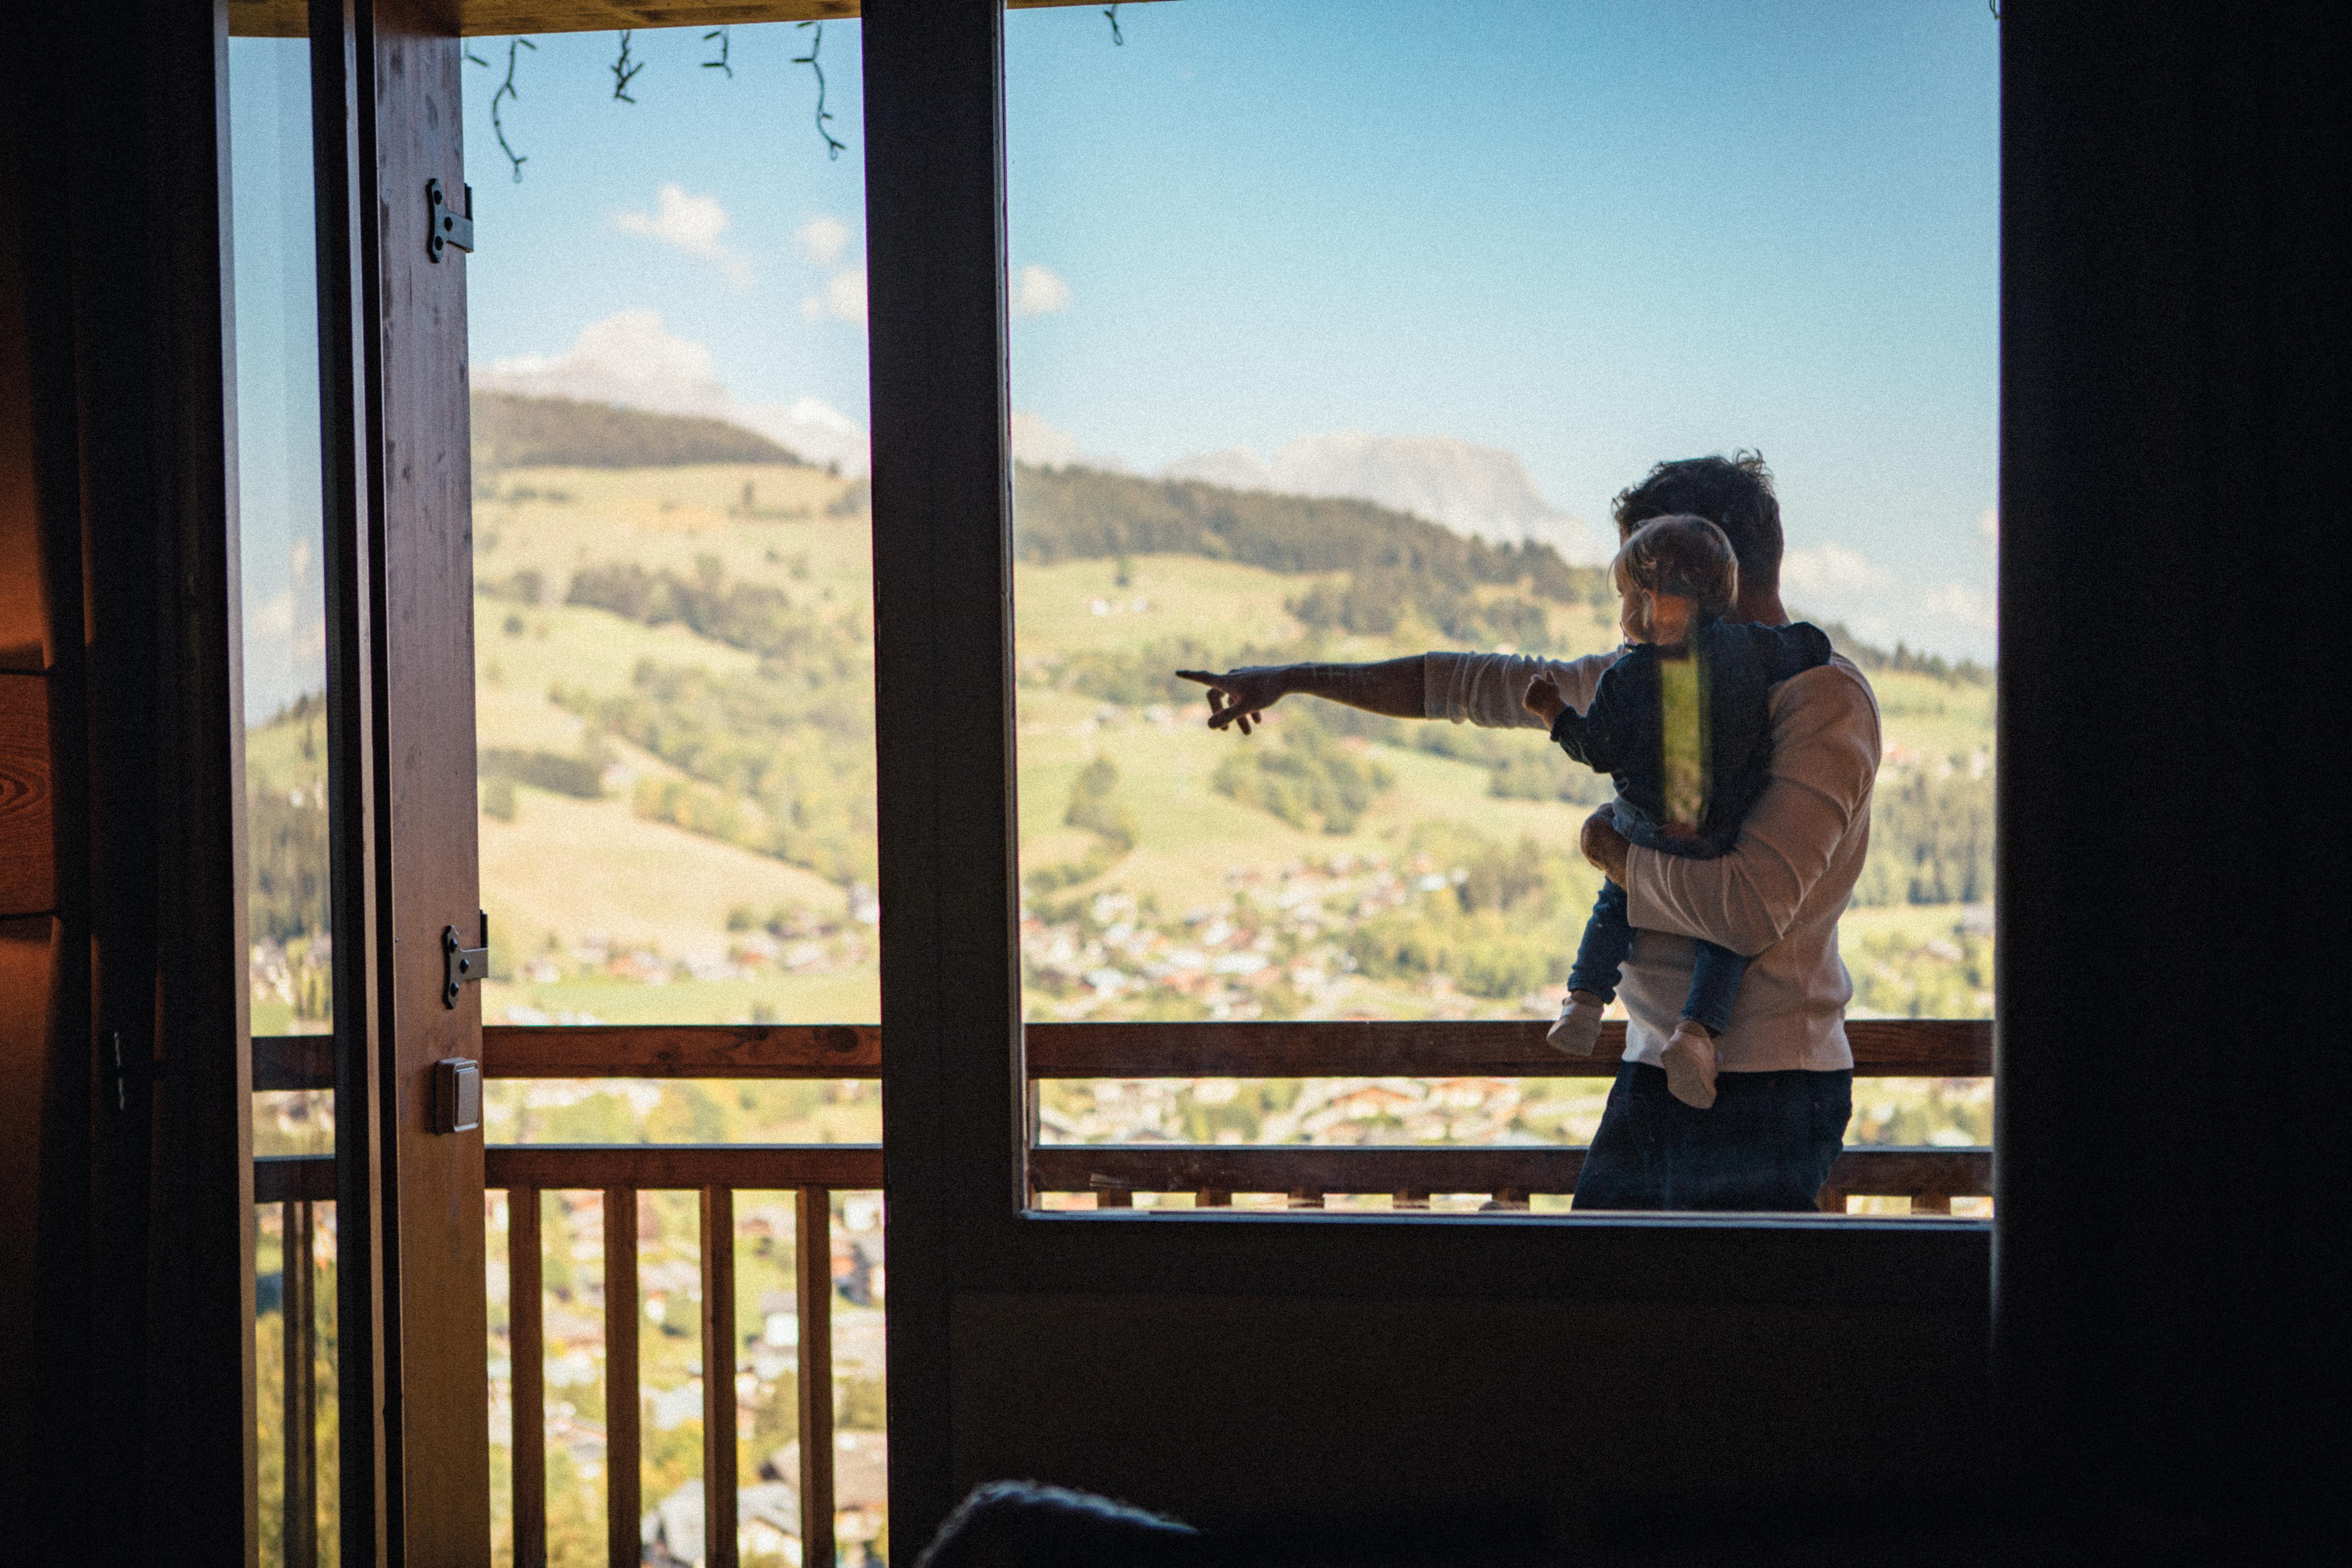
[{"x": 1716, "y": 971}]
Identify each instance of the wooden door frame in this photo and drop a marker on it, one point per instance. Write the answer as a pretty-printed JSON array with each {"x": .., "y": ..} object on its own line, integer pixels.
[{"x": 416, "y": 1483}]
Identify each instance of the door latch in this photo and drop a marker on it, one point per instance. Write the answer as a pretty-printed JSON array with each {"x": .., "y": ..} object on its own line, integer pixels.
[
  {"x": 457, "y": 1096},
  {"x": 444, "y": 224},
  {"x": 461, "y": 963}
]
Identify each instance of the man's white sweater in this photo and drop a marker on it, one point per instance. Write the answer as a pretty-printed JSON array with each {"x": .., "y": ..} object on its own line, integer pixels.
[{"x": 1775, "y": 897}]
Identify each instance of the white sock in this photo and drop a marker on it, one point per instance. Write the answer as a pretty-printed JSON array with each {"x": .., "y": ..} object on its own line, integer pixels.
[
  {"x": 1689, "y": 1061},
  {"x": 1577, "y": 1028}
]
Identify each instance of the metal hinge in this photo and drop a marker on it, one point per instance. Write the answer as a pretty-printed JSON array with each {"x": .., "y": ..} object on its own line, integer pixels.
[
  {"x": 445, "y": 225},
  {"x": 463, "y": 964}
]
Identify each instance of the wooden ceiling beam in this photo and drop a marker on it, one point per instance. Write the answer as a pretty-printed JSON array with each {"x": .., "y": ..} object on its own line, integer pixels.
[{"x": 498, "y": 18}]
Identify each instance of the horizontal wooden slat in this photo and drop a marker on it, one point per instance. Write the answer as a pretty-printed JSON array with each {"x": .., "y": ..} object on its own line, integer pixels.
[
  {"x": 1883, "y": 1047},
  {"x": 724, "y": 1050},
  {"x": 758, "y": 1166},
  {"x": 294, "y": 1179},
  {"x": 1078, "y": 1168},
  {"x": 1290, "y": 1168},
  {"x": 293, "y": 1061}
]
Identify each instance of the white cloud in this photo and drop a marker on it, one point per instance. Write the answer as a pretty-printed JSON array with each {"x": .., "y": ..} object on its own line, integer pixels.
[
  {"x": 812, "y": 427},
  {"x": 1988, "y": 525},
  {"x": 1038, "y": 291},
  {"x": 820, "y": 239},
  {"x": 631, "y": 359},
  {"x": 1831, "y": 583},
  {"x": 1958, "y": 602},
  {"x": 691, "y": 224},
  {"x": 1829, "y": 572},
  {"x": 276, "y": 619},
  {"x": 628, "y": 358},
  {"x": 844, "y": 298},
  {"x": 1035, "y": 441}
]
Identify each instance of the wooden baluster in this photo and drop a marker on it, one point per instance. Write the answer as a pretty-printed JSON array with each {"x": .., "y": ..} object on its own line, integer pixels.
[
  {"x": 1409, "y": 1199},
  {"x": 1931, "y": 1202},
  {"x": 299, "y": 1295},
  {"x": 1107, "y": 1196},
  {"x": 718, "y": 1345},
  {"x": 1506, "y": 1198},
  {"x": 1306, "y": 1198},
  {"x": 527, "y": 1376},
  {"x": 1212, "y": 1198},
  {"x": 622, "y": 1480},
  {"x": 1833, "y": 1200},
  {"x": 813, "y": 1245}
]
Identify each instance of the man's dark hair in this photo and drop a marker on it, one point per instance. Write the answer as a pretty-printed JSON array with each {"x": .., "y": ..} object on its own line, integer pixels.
[{"x": 1734, "y": 493}]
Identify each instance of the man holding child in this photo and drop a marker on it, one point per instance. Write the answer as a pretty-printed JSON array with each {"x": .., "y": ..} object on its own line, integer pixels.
[{"x": 1783, "y": 1074}]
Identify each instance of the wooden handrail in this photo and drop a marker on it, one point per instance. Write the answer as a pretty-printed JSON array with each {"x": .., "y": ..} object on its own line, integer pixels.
[
  {"x": 756, "y": 1167},
  {"x": 698, "y": 1050},
  {"x": 1228, "y": 1168},
  {"x": 1883, "y": 1047},
  {"x": 1508, "y": 1047}
]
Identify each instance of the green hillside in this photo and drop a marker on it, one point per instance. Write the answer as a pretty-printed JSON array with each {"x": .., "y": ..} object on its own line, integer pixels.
[
  {"x": 511, "y": 431},
  {"x": 675, "y": 732}
]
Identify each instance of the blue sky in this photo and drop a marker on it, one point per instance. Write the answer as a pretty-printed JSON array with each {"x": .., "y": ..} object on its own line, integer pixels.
[
  {"x": 1595, "y": 234},
  {"x": 280, "y": 507}
]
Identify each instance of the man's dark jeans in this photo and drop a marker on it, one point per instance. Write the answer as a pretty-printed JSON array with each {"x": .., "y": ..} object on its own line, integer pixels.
[{"x": 1767, "y": 1145}]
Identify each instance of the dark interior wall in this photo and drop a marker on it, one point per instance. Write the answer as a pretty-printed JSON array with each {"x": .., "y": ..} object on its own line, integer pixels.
[
  {"x": 126, "y": 1284},
  {"x": 1228, "y": 1410},
  {"x": 2171, "y": 1254}
]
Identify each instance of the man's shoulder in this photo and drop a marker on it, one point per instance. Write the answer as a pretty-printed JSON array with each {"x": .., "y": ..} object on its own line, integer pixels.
[{"x": 1832, "y": 697}]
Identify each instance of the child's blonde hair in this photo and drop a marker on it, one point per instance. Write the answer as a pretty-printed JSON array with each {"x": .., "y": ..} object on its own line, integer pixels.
[{"x": 1682, "y": 555}]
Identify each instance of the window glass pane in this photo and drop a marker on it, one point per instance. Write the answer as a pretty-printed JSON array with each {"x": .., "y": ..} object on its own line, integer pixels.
[
  {"x": 1336, "y": 329},
  {"x": 280, "y": 519},
  {"x": 673, "y": 624}
]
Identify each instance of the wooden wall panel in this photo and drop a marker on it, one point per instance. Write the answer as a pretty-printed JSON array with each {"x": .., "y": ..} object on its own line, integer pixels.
[
  {"x": 24, "y": 621},
  {"x": 27, "y": 817},
  {"x": 28, "y": 984}
]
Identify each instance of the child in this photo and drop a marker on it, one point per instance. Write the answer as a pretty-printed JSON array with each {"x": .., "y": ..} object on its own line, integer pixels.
[{"x": 1682, "y": 722}]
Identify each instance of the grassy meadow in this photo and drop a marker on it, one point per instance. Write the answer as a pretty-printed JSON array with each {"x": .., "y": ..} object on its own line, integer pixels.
[{"x": 674, "y": 670}]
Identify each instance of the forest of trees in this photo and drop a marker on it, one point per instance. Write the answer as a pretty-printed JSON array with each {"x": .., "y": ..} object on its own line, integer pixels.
[
  {"x": 511, "y": 431},
  {"x": 1396, "y": 562},
  {"x": 782, "y": 759}
]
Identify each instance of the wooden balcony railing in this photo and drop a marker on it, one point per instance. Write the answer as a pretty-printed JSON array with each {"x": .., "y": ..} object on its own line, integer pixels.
[
  {"x": 812, "y": 1172},
  {"x": 1506, "y": 1177}
]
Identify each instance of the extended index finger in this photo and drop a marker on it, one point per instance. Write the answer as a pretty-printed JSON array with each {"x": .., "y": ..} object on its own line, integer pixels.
[{"x": 1202, "y": 676}]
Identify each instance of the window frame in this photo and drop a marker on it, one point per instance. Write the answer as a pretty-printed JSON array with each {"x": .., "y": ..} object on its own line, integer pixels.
[{"x": 955, "y": 1128}]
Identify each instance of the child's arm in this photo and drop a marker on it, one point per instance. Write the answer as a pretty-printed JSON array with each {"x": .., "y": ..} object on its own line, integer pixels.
[{"x": 1603, "y": 736}]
